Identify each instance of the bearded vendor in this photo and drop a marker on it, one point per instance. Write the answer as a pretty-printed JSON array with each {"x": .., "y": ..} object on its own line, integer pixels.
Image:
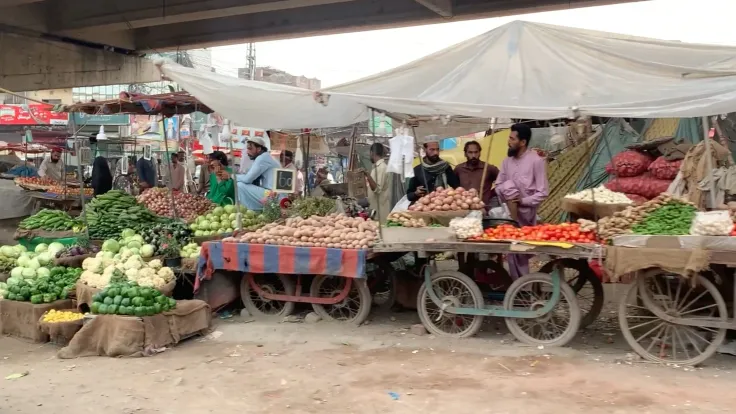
[
  {"x": 522, "y": 185},
  {"x": 431, "y": 173},
  {"x": 253, "y": 186},
  {"x": 470, "y": 173}
]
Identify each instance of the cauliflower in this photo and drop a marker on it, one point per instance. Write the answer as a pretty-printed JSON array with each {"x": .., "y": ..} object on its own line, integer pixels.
[
  {"x": 107, "y": 263},
  {"x": 92, "y": 264},
  {"x": 108, "y": 271},
  {"x": 132, "y": 274},
  {"x": 158, "y": 282},
  {"x": 155, "y": 264},
  {"x": 166, "y": 274},
  {"x": 133, "y": 264},
  {"x": 94, "y": 279},
  {"x": 126, "y": 255},
  {"x": 146, "y": 273}
]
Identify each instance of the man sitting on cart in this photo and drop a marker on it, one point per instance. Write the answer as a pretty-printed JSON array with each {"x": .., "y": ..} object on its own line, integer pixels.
[
  {"x": 431, "y": 173},
  {"x": 522, "y": 185},
  {"x": 254, "y": 184}
]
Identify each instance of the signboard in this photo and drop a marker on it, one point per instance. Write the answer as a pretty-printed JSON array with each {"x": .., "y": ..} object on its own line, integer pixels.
[
  {"x": 239, "y": 136},
  {"x": 171, "y": 128},
  {"x": 81, "y": 118},
  {"x": 284, "y": 181},
  {"x": 281, "y": 141},
  {"x": 35, "y": 114}
]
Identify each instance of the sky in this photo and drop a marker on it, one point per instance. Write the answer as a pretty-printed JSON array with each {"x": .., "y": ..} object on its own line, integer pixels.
[{"x": 337, "y": 59}]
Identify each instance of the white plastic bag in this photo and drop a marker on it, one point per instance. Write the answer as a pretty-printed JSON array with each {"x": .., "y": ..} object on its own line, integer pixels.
[
  {"x": 711, "y": 223},
  {"x": 499, "y": 213},
  {"x": 402, "y": 205}
]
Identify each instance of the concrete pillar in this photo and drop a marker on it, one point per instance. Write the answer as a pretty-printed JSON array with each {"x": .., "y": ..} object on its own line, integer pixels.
[{"x": 29, "y": 63}]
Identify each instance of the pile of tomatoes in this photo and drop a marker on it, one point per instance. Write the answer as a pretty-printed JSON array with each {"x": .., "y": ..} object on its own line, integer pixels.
[{"x": 565, "y": 232}]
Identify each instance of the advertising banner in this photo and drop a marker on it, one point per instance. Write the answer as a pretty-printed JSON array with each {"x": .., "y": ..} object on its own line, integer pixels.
[{"x": 35, "y": 114}]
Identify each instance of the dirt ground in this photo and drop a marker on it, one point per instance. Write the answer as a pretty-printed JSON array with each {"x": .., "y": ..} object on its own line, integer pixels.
[{"x": 247, "y": 366}]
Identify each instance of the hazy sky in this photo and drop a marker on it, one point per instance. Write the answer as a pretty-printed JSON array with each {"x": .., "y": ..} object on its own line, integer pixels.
[{"x": 341, "y": 58}]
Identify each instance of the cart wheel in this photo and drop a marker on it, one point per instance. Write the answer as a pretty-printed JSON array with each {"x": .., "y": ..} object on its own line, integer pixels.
[
  {"x": 270, "y": 283},
  {"x": 453, "y": 289},
  {"x": 586, "y": 285},
  {"x": 353, "y": 309},
  {"x": 664, "y": 342},
  {"x": 556, "y": 328}
]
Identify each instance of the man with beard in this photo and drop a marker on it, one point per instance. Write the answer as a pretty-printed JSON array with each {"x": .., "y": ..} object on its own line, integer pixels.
[
  {"x": 254, "y": 185},
  {"x": 470, "y": 173},
  {"x": 522, "y": 184},
  {"x": 52, "y": 166},
  {"x": 379, "y": 188},
  {"x": 431, "y": 173}
]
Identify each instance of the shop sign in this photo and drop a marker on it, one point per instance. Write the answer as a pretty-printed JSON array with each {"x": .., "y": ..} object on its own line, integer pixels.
[
  {"x": 80, "y": 118},
  {"x": 35, "y": 114}
]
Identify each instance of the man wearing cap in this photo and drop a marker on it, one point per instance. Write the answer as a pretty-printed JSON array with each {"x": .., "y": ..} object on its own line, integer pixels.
[
  {"x": 431, "y": 173},
  {"x": 253, "y": 185},
  {"x": 52, "y": 166}
]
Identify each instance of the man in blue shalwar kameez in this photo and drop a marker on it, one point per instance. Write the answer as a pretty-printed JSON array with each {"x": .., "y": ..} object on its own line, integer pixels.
[{"x": 253, "y": 185}]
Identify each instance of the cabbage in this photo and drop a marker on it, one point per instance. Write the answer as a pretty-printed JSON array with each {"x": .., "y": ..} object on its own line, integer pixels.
[
  {"x": 43, "y": 272},
  {"x": 110, "y": 246},
  {"x": 229, "y": 209},
  {"x": 108, "y": 255},
  {"x": 23, "y": 260},
  {"x": 204, "y": 225},
  {"x": 218, "y": 211},
  {"x": 29, "y": 273},
  {"x": 14, "y": 280},
  {"x": 138, "y": 238},
  {"x": 147, "y": 250},
  {"x": 55, "y": 247},
  {"x": 128, "y": 233},
  {"x": 44, "y": 258},
  {"x": 134, "y": 251},
  {"x": 33, "y": 264},
  {"x": 8, "y": 251},
  {"x": 134, "y": 244},
  {"x": 16, "y": 272},
  {"x": 20, "y": 248},
  {"x": 41, "y": 248},
  {"x": 194, "y": 227}
]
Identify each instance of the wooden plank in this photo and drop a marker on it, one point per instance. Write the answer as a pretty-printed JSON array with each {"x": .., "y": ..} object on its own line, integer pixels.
[{"x": 489, "y": 248}]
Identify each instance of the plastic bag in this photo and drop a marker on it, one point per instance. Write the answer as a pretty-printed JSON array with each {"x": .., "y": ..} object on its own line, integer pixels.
[
  {"x": 402, "y": 205},
  {"x": 499, "y": 213},
  {"x": 630, "y": 163},
  {"x": 643, "y": 185},
  {"x": 712, "y": 223},
  {"x": 663, "y": 169},
  {"x": 476, "y": 214}
]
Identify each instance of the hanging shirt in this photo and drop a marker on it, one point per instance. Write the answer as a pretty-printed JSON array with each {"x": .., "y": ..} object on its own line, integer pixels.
[
  {"x": 471, "y": 176},
  {"x": 380, "y": 198},
  {"x": 52, "y": 170}
]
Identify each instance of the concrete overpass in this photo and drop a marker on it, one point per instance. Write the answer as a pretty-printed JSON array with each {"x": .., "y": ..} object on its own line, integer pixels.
[{"x": 63, "y": 43}]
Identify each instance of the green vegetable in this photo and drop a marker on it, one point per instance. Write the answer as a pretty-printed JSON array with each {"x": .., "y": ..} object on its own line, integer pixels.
[
  {"x": 37, "y": 299},
  {"x": 673, "y": 218}
]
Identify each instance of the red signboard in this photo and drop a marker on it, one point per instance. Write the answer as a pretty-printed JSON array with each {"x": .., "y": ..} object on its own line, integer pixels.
[{"x": 34, "y": 114}]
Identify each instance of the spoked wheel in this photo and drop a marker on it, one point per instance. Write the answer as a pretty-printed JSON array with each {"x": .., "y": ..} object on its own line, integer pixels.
[
  {"x": 456, "y": 290},
  {"x": 586, "y": 285},
  {"x": 353, "y": 309},
  {"x": 258, "y": 305},
  {"x": 660, "y": 341},
  {"x": 556, "y": 328}
]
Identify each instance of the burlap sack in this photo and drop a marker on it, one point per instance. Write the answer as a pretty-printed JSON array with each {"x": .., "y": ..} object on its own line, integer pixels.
[
  {"x": 60, "y": 333},
  {"x": 621, "y": 261},
  {"x": 20, "y": 319},
  {"x": 126, "y": 336},
  {"x": 189, "y": 264},
  {"x": 84, "y": 293}
]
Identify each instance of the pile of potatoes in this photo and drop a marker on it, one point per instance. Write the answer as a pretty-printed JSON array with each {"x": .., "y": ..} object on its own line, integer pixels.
[
  {"x": 622, "y": 221},
  {"x": 406, "y": 220},
  {"x": 449, "y": 199},
  {"x": 334, "y": 231}
]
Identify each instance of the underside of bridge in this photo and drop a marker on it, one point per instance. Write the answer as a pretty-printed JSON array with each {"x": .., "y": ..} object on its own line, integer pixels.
[{"x": 96, "y": 30}]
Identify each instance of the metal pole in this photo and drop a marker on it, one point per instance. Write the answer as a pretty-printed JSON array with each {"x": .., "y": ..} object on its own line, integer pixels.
[
  {"x": 488, "y": 157},
  {"x": 168, "y": 182},
  {"x": 238, "y": 216},
  {"x": 709, "y": 163}
]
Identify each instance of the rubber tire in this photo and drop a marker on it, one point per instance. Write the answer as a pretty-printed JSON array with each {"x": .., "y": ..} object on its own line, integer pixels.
[
  {"x": 720, "y": 338},
  {"x": 364, "y": 293},
  {"x": 251, "y": 307},
  {"x": 475, "y": 292},
  {"x": 565, "y": 292},
  {"x": 585, "y": 272}
]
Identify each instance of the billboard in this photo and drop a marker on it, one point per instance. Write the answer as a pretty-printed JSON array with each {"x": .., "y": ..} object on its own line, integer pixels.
[
  {"x": 35, "y": 114},
  {"x": 80, "y": 118}
]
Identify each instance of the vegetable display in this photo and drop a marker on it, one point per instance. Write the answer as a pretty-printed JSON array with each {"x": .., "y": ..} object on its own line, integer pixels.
[
  {"x": 158, "y": 234},
  {"x": 76, "y": 250},
  {"x": 466, "y": 227},
  {"x": 600, "y": 195},
  {"x": 622, "y": 222},
  {"x": 69, "y": 191},
  {"x": 223, "y": 220},
  {"x": 450, "y": 199},
  {"x": 673, "y": 218},
  {"x": 312, "y": 206},
  {"x": 564, "y": 232},
  {"x": 333, "y": 231},
  {"x": 60, "y": 316},
  {"x": 190, "y": 251},
  {"x": 49, "y": 220},
  {"x": 110, "y": 213},
  {"x": 53, "y": 285},
  {"x": 106, "y": 268},
  {"x": 37, "y": 181},
  {"x": 128, "y": 298},
  {"x": 188, "y": 206},
  {"x": 712, "y": 223},
  {"x": 404, "y": 220}
]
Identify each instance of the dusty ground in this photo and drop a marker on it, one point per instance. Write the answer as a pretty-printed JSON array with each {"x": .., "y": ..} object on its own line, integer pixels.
[{"x": 267, "y": 366}]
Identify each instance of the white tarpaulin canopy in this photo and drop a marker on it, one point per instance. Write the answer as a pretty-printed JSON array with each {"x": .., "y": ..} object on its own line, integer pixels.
[
  {"x": 539, "y": 71},
  {"x": 261, "y": 104}
]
